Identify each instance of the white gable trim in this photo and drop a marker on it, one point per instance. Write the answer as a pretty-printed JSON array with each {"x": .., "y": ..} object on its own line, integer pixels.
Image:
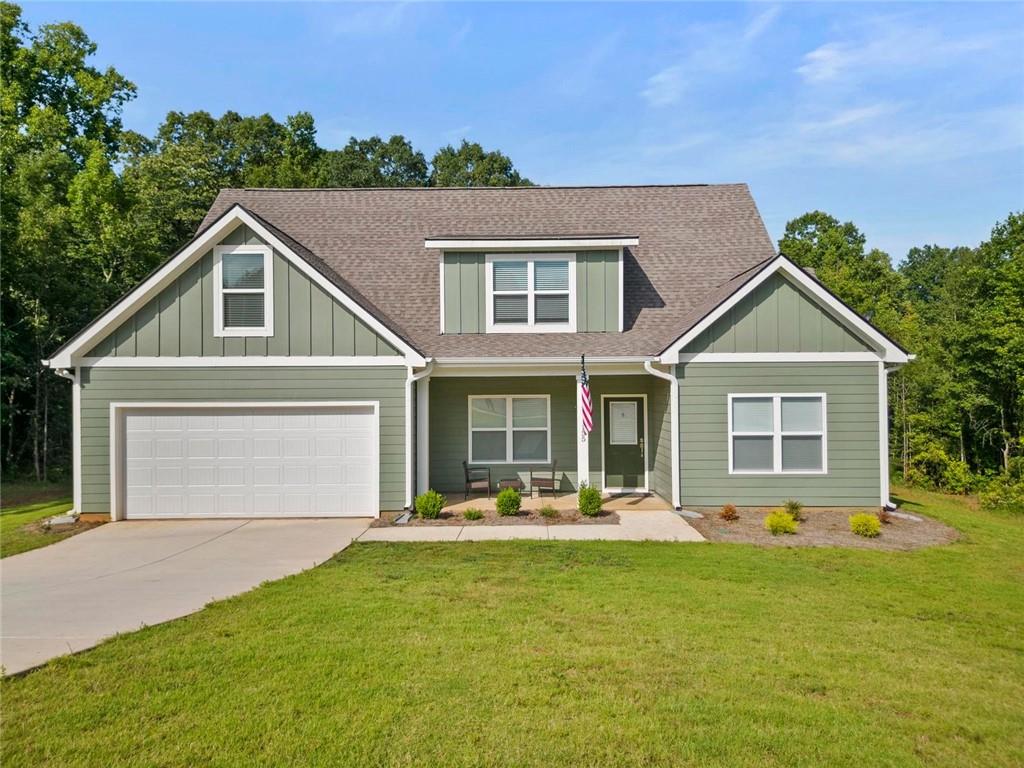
[
  {"x": 70, "y": 356},
  {"x": 505, "y": 244},
  {"x": 850, "y": 319}
]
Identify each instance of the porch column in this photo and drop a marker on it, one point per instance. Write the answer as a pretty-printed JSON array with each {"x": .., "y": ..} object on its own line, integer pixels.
[
  {"x": 423, "y": 435},
  {"x": 582, "y": 440}
]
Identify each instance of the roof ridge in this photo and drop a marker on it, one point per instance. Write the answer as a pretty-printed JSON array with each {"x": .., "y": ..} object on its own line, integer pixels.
[{"x": 480, "y": 188}]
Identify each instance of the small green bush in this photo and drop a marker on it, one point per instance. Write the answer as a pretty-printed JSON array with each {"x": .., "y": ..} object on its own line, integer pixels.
[
  {"x": 866, "y": 525},
  {"x": 429, "y": 504},
  {"x": 473, "y": 514},
  {"x": 509, "y": 502},
  {"x": 549, "y": 512},
  {"x": 779, "y": 521},
  {"x": 1005, "y": 492},
  {"x": 728, "y": 512},
  {"x": 795, "y": 509},
  {"x": 588, "y": 501}
]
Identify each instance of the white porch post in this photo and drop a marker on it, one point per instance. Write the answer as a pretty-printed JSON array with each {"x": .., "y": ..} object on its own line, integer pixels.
[
  {"x": 582, "y": 440},
  {"x": 423, "y": 435},
  {"x": 883, "y": 431}
]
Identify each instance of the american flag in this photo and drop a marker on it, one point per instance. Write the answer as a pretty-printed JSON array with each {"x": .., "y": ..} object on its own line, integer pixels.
[{"x": 586, "y": 403}]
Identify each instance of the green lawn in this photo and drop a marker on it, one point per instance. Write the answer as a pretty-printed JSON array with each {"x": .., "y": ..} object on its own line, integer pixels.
[
  {"x": 16, "y": 536},
  {"x": 568, "y": 654}
]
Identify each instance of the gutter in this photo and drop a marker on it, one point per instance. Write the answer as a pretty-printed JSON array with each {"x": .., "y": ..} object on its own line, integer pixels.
[
  {"x": 410, "y": 380},
  {"x": 674, "y": 411},
  {"x": 76, "y": 434}
]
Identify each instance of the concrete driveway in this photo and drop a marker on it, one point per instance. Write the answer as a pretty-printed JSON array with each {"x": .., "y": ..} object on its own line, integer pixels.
[{"x": 122, "y": 576}]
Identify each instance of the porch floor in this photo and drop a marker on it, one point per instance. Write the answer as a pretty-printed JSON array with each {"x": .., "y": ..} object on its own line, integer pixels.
[{"x": 564, "y": 501}]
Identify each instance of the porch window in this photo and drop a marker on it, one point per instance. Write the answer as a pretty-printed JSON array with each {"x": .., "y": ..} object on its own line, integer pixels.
[
  {"x": 243, "y": 291},
  {"x": 509, "y": 429},
  {"x": 777, "y": 434},
  {"x": 531, "y": 292}
]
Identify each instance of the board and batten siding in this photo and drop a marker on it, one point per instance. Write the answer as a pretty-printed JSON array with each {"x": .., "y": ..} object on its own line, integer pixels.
[
  {"x": 776, "y": 317},
  {"x": 179, "y": 320},
  {"x": 854, "y": 470},
  {"x": 465, "y": 291},
  {"x": 101, "y": 386},
  {"x": 449, "y": 427}
]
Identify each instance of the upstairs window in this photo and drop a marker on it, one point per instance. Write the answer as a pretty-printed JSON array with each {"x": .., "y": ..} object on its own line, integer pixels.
[
  {"x": 243, "y": 290},
  {"x": 777, "y": 434},
  {"x": 531, "y": 293}
]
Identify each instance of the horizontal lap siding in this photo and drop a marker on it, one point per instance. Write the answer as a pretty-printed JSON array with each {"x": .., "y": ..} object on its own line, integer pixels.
[
  {"x": 853, "y": 477},
  {"x": 449, "y": 426},
  {"x": 101, "y": 386},
  {"x": 660, "y": 442}
]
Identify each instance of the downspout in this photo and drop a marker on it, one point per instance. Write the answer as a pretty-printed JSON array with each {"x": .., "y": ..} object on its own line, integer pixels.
[
  {"x": 76, "y": 434},
  {"x": 674, "y": 411},
  {"x": 410, "y": 380}
]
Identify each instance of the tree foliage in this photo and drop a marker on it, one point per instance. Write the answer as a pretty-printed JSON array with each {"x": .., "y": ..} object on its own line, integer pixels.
[
  {"x": 957, "y": 409},
  {"x": 88, "y": 208}
]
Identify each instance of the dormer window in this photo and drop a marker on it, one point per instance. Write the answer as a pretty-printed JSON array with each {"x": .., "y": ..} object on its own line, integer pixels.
[
  {"x": 531, "y": 293},
  {"x": 243, "y": 280}
]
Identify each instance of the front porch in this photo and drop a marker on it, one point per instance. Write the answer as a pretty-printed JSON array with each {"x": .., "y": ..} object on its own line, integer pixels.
[{"x": 512, "y": 425}]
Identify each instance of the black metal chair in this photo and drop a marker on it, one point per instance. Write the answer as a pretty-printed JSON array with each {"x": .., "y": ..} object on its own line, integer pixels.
[
  {"x": 550, "y": 483},
  {"x": 477, "y": 478}
]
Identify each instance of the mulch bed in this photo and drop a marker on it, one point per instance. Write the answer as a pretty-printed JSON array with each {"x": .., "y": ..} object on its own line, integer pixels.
[
  {"x": 823, "y": 528},
  {"x": 525, "y": 517}
]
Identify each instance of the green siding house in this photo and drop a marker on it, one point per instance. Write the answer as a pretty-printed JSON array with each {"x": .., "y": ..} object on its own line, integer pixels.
[{"x": 335, "y": 352}]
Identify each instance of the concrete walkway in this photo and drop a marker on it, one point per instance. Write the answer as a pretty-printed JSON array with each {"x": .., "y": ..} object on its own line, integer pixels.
[
  {"x": 122, "y": 576},
  {"x": 636, "y": 525}
]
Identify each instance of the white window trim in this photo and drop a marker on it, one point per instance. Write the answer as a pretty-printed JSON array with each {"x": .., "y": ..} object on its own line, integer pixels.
[
  {"x": 267, "y": 329},
  {"x": 508, "y": 429},
  {"x": 777, "y": 434},
  {"x": 530, "y": 326}
]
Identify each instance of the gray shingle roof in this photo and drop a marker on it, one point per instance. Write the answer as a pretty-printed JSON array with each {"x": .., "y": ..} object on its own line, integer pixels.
[{"x": 693, "y": 241}]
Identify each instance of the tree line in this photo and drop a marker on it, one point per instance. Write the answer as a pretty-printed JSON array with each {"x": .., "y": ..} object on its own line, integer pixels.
[{"x": 87, "y": 208}]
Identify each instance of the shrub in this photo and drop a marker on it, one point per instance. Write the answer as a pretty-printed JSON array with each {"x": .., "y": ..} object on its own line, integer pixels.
[
  {"x": 429, "y": 504},
  {"x": 795, "y": 509},
  {"x": 509, "y": 502},
  {"x": 1004, "y": 493},
  {"x": 780, "y": 521},
  {"x": 549, "y": 512},
  {"x": 865, "y": 524},
  {"x": 473, "y": 514},
  {"x": 884, "y": 516},
  {"x": 588, "y": 501},
  {"x": 728, "y": 512}
]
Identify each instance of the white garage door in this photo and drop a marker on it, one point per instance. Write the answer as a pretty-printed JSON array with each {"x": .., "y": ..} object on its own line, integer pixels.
[{"x": 251, "y": 462}]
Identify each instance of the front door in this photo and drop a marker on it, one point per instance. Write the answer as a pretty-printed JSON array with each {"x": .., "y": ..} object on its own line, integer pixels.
[{"x": 623, "y": 436}]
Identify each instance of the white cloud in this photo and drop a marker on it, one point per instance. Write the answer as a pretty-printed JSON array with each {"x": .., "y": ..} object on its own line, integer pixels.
[
  {"x": 884, "y": 46},
  {"x": 711, "y": 50},
  {"x": 369, "y": 20},
  {"x": 665, "y": 87}
]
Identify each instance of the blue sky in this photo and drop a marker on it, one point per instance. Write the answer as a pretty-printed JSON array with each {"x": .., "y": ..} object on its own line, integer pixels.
[{"x": 906, "y": 118}]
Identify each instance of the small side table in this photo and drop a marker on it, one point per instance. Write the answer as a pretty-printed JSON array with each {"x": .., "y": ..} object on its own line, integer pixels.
[{"x": 510, "y": 482}]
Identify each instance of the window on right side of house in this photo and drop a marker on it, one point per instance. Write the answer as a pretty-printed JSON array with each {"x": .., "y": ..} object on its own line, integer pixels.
[{"x": 777, "y": 434}]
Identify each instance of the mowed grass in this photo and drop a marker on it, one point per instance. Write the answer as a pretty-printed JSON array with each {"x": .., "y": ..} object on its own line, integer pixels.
[
  {"x": 17, "y": 536},
  {"x": 568, "y": 654}
]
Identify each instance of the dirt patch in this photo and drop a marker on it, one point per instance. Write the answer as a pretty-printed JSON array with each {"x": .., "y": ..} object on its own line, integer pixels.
[
  {"x": 824, "y": 528},
  {"x": 525, "y": 517}
]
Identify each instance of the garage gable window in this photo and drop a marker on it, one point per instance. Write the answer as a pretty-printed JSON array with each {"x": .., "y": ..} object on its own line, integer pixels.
[
  {"x": 243, "y": 281},
  {"x": 509, "y": 429},
  {"x": 777, "y": 434}
]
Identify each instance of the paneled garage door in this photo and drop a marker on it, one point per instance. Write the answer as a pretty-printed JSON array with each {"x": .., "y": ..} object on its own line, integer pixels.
[{"x": 264, "y": 461}]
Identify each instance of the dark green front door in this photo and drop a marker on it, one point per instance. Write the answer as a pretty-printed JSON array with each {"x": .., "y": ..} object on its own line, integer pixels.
[{"x": 623, "y": 420}]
